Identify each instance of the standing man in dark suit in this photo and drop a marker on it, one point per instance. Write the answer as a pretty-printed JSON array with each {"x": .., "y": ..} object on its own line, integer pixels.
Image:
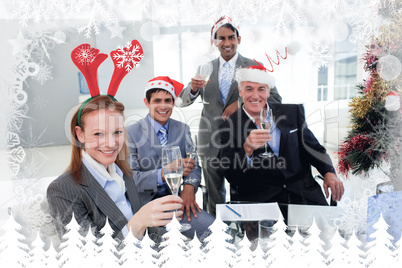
[
  {"x": 286, "y": 176},
  {"x": 222, "y": 95}
]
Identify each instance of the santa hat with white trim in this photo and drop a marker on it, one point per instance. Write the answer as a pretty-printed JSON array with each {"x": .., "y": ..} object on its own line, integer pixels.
[
  {"x": 256, "y": 74},
  {"x": 219, "y": 23},
  {"x": 168, "y": 84}
]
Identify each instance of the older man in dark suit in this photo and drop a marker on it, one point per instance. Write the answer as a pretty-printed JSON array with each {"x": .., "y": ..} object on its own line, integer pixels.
[
  {"x": 286, "y": 176},
  {"x": 222, "y": 96}
]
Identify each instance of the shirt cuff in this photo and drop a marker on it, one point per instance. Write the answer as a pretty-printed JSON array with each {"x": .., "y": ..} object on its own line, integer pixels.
[
  {"x": 250, "y": 160},
  {"x": 124, "y": 231},
  {"x": 159, "y": 181},
  {"x": 193, "y": 96}
]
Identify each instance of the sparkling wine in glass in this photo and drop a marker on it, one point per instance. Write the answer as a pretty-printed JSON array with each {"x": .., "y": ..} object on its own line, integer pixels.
[
  {"x": 191, "y": 150},
  {"x": 172, "y": 166},
  {"x": 203, "y": 73},
  {"x": 266, "y": 120}
]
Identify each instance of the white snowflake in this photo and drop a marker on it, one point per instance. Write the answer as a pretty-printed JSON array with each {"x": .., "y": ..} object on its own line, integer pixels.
[
  {"x": 128, "y": 57},
  {"x": 13, "y": 139},
  {"x": 85, "y": 55},
  {"x": 15, "y": 116},
  {"x": 320, "y": 56},
  {"x": 101, "y": 15},
  {"x": 41, "y": 42},
  {"x": 44, "y": 74},
  {"x": 354, "y": 215},
  {"x": 35, "y": 159},
  {"x": 40, "y": 102}
]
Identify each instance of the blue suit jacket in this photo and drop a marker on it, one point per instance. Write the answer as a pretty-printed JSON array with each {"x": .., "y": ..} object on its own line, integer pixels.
[{"x": 146, "y": 152}]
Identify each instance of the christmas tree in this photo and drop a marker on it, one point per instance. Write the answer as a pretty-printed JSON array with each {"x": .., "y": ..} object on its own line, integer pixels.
[
  {"x": 380, "y": 249},
  {"x": 130, "y": 254},
  {"x": 354, "y": 256},
  {"x": 51, "y": 256},
  {"x": 38, "y": 254},
  {"x": 148, "y": 255},
  {"x": 297, "y": 250},
  {"x": 398, "y": 251},
  {"x": 336, "y": 254},
  {"x": 278, "y": 252},
  {"x": 220, "y": 252},
  {"x": 71, "y": 253},
  {"x": 173, "y": 246},
  {"x": 375, "y": 136},
  {"x": 195, "y": 256},
  {"x": 91, "y": 250},
  {"x": 109, "y": 246},
  {"x": 13, "y": 251},
  {"x": 315, "y": 253},
  {"x": 244, "y": 253}
]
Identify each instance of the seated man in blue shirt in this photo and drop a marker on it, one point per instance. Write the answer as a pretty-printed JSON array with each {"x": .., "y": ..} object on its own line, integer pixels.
[
  {"x": 286, "y": 176},
  {"x": 148, "y": 136}
]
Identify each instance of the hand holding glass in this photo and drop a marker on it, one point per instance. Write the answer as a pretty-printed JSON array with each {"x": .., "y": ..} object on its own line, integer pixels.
[
  {"x": 203, "y": 73},
  {"x": 266, "y": 120},
  {"x": 190, "y": 150},
  {"x": 172, "y": 166}
]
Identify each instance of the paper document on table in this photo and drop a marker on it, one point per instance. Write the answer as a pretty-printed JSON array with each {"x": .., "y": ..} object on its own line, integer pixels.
[
  {"x": 248, "y": 212},
  {"x": 303, "y": 215}
]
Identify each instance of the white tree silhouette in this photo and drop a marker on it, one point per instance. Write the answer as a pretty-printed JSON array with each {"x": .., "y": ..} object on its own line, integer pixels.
[
  {"x": 52, "y": 256},
  {"x": 380, "y": 249},
  {"x": 195, "y": 256},
  {"x": 38, "y": 254},
  {"x": 13, "y": 252},
  {"x": 148, "y": 254},
  {"x": 278, "y": 254},
  {"x": 336, "y": 254},
  {"x": 130, "y": 254},
  {"x": 297, "y": 250},
  {"x": 244, "y": 253},
  {"x": 315, "y": 253},
  {"x": 398, "y": 251},
  {"x": 220, "y": 252},
  {"x": 71, "y": 253},
  {"x": 173, "y": 246},
  {"x": 91, "y": 250},
  {"x": 354, "y": 255},
  {"x": 108, "y": 247}
]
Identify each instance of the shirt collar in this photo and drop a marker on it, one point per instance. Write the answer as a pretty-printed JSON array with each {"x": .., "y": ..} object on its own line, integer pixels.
[
  {"x": 156, "y": 125},
  {"x": 249, "y": 116},
  {"x": 232, "y": 61},
  {"x": 96, "y": 169}
]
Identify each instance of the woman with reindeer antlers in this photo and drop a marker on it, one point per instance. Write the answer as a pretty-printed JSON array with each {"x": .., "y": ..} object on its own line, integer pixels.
[{"x": 98, "y": 187}]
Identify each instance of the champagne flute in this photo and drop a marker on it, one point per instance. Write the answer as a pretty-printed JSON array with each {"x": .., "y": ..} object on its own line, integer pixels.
[
  {"x": 172, "y": 166},
  {"x": 266, "y": 120},
  {"x": 203, "y": 73},
  {"x": 190, "y": 150}
]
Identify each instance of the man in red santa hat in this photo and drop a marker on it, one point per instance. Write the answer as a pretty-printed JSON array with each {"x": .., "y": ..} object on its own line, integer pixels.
[
  {"x": 222, "y": 96},
  {"x": 284, "y": 174},
  {"x": 148, "y": 136}
]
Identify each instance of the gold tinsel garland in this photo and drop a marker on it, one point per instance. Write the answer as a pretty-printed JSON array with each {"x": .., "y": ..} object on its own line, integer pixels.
[{"x": 361, "y": 105}]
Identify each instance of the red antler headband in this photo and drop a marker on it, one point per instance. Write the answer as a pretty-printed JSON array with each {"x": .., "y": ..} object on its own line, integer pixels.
[{"x": 88, "y": 59}]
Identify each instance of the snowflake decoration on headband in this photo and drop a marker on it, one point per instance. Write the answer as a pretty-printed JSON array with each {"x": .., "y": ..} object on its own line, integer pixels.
[
  {"x": 88, "y": 60},
  {"x": 128, "y": 56},
  {"x": 85, "y": 54}
]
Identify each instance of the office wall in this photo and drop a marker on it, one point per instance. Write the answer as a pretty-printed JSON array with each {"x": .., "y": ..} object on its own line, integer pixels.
[{"x": 49, "y": 104}]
